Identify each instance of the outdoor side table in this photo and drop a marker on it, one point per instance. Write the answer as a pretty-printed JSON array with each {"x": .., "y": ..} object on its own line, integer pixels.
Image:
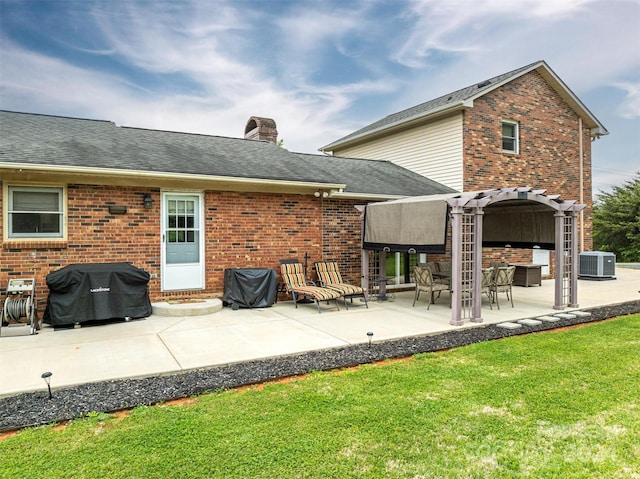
[{"x": 527, "y": 274}]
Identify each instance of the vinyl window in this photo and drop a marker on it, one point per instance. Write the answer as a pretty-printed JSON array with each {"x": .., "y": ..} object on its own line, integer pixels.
[
  {"x": 35, "y": 212},
  {"x": 510, "y": 141}
]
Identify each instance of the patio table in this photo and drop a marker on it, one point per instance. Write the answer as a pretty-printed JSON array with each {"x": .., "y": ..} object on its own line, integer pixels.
[{"x": 527, "y": 274}]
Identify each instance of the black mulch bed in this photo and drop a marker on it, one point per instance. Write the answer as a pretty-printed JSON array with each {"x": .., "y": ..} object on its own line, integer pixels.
[{"x": 34, "y": 408}]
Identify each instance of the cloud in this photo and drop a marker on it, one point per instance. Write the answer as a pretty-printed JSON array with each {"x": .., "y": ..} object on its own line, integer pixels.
[
  {"x": 630, "y": 108},
  {"x": 321, "y": 70}
]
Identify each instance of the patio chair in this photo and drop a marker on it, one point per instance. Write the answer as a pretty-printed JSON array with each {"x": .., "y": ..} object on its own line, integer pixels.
[
  {"x": 429, "y": 264},
  {"x": 330, "y": 277},
  {"x": 502, "y": 283},
  {"x": 281, "y": 288},
  {"x": 299, "y": 287},
  {"x": 444, "y": 266},
  {"x": 487, "y": 283},
  {"x": 425, "y": 282},
  {"x": 443, "y": 274}
]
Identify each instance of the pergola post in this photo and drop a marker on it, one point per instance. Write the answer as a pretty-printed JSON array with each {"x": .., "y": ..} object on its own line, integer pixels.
[
  {"x": 382, "y": 278},
  {"x": 559, "y": 260},
  {"x": 456, "y": 265},
  {"x": 364, "y": 254},
  {"x": 573, "y": 281},
  {"x": 476, "y": 298}
]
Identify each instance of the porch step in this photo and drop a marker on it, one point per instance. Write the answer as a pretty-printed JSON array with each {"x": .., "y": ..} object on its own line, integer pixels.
[{"x": 186, "y": 308}]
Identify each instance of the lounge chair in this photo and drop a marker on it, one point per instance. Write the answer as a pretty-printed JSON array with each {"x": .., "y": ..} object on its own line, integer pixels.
[
  {"x": 330, "y": 277},
  {"x": 299, "y": 287},
  {"x": 425, "y": 282},
  {"x": 282, "y": 287}
]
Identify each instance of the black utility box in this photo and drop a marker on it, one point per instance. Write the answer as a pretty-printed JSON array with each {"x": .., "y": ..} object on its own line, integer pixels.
[
  {"x": 93, "y": 292},
  {"x": 249, "y": 287}
]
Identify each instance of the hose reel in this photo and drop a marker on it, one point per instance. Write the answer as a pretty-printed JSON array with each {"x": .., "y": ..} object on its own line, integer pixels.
[
  {"x": 17, "y": 308},
  {"x": 20, "y": 304}
]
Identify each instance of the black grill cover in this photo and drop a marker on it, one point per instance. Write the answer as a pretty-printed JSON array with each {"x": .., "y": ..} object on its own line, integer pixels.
[
  {"x": 249, "y": 287},
  {"x": 89, "y": 292}
]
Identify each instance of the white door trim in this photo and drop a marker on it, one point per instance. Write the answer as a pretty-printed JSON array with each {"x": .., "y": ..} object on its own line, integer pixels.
[{"x": 187, "y": 276}]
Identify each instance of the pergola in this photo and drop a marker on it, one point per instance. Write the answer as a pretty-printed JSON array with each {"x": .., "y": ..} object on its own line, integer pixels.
[{"x": 505, "y": 217}]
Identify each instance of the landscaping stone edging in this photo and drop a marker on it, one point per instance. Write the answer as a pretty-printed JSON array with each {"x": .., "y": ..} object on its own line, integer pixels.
[{"x": 34, "y": 409}]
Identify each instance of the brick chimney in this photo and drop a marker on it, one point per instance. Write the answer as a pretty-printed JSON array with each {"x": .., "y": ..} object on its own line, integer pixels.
[{"x": 259, "y": 128}]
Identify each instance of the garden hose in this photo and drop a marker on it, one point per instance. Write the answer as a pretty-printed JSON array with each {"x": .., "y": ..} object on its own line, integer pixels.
[{"x": 14, "y": 309}]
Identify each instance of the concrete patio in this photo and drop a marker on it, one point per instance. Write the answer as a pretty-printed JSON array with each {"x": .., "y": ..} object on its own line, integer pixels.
[{"x": 161, "y": 345}]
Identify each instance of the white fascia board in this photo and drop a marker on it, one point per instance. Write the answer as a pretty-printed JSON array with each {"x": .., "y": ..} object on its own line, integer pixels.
[
  {"x": 150, "y": 175},
  {"x": 363, "y": 196}
]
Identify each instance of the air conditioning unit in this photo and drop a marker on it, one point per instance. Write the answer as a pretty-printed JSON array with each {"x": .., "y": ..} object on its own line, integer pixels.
[{"x": 597, "y": 265}]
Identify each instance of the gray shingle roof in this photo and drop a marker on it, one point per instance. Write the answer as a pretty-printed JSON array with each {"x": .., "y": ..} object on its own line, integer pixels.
[
  {"x": 456, "y": 98},
  {"x": 372, "y": 176},
  {"x": 45, "y": 140}
]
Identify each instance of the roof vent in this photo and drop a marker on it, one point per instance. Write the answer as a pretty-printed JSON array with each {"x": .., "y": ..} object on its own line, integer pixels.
[
  {"x": 484, "y": 83},
  {"x": 258, "y": 128}
]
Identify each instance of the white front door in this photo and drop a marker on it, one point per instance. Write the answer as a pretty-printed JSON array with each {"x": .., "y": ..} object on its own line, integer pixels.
[{"x": 182, "y": 241}]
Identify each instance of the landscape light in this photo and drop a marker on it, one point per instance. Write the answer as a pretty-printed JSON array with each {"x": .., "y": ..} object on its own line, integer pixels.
[{"x": 47, "y": 379}]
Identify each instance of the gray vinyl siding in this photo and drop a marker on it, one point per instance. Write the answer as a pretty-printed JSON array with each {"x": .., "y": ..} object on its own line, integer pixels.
[{"x": 433, "y": 150}]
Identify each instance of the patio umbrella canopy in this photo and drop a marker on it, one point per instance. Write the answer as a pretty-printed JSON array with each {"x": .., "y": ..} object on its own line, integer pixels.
[{"x": 416, "y": 224}]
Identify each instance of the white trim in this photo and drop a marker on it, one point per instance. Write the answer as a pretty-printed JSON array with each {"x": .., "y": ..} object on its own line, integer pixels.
[
  {"x": 35, "y": 187},
  {"x": 111, "y": 172},
  {"x": 199, "y": 277},
  {"x": 516, "y": 137}
]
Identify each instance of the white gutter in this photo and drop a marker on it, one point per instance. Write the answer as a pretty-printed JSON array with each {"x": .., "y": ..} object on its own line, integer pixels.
[
  {"x": 363, "y": 196},
  {"x": 117, "y": 172}
]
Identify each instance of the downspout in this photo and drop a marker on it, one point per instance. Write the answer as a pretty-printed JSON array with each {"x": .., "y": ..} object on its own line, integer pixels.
[{"x": 581, "y": 153}]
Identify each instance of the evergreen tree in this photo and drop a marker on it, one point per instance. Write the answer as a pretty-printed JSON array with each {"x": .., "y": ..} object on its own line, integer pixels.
[{"x": 616, "y": 221}]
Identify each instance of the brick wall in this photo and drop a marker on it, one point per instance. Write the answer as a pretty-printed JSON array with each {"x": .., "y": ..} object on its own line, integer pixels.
[
  {"x": 549, "y": 149},
  {"x": 549, "y": 143},
  {"x": 342, "y": 237},
  {"x": 243, "y": 230},
  {"x": 94, "y": 235},
  {"x": 256, "y": 230}
]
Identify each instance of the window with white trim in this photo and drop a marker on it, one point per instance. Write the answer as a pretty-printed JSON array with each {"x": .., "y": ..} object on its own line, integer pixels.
[
  {"x": 510, "y": 141},
  {"x": 35, "y": 212}
]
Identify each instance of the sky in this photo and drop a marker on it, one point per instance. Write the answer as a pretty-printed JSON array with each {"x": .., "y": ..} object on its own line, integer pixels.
[{"x": 321, "y": 69}]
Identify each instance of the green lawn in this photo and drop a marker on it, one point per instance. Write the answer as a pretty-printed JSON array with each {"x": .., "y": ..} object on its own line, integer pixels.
[{"x": 562, "y": 404}]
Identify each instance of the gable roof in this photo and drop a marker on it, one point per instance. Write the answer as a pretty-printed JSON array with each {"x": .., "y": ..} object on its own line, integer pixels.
[
  {"x": 99, "y": 151},
  {"x": 463, "y": 98}
]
